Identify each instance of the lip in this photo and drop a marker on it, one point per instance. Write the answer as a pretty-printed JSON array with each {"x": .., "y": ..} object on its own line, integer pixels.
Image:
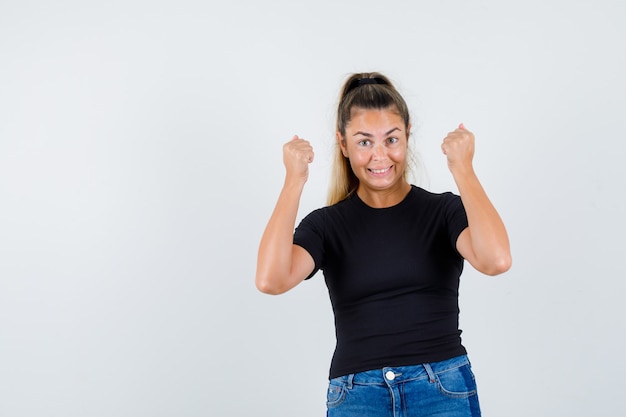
[{"x": 380, "y": 172}]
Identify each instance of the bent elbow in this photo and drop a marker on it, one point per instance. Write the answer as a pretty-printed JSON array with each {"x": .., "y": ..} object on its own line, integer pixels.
[
  {"x": 498, "y": 266},
  {"x": 267, "y": 286}
]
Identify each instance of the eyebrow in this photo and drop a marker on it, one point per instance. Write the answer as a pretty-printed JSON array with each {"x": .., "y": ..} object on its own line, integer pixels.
[{"x": 369, "y": 135}]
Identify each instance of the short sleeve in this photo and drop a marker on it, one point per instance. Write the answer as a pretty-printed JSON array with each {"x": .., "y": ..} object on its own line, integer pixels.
[
  {"x": 310, "y": 235},
  {"x": 456, "y": 217}
]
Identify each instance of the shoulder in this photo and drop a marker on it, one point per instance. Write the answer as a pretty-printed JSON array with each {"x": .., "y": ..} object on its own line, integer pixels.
[
  {"x": 346, "y": 205},
  {"x": 330, "y": 216},
  {"x": 423, "y": 196}
]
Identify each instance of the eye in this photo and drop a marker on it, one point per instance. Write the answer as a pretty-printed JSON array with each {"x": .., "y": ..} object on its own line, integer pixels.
[
  {"x": 364, "y": 142},
  {"x": 392, "y": 140}
]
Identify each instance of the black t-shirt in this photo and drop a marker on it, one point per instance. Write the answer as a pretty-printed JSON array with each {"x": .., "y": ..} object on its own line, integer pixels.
[{"x": 393, "y": 278}]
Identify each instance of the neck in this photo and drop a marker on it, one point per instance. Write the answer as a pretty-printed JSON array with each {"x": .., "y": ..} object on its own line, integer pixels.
[{"x": 384, "y": 198}]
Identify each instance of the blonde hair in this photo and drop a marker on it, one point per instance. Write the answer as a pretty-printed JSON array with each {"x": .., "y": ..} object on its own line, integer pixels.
[{"x": 370, "y": 90}]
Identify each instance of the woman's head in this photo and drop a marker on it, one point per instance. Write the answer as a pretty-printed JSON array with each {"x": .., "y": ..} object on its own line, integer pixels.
[
  {"x": 369, "y": 91},
  {"x": 363, "y": 91}
]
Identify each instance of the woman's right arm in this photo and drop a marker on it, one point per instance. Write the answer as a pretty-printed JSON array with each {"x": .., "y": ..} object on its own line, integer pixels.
[{"x": 281, "y": 265}]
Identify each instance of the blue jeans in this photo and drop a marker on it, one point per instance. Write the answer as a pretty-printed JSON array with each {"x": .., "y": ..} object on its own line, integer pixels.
[{"x": 445, "y": 389}]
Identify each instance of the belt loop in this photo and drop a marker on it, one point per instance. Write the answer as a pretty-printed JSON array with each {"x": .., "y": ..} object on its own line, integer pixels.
[
  {"x": 349, "y": 382},
  {"x": 429, "y": 371}
]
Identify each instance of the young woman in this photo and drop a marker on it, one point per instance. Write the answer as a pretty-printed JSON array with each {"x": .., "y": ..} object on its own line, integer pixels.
[{"x": 391, "y": 254}]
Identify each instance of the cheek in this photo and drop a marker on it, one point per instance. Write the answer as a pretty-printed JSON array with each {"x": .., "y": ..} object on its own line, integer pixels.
[
  {"x": 358, "y": 163},
  {"x": 398, "y": 155},
  {"x": 357, "y": 157},
  {"x": 355, "y": 162}
]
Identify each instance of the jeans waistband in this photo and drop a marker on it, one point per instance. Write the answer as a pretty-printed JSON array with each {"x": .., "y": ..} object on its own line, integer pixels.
[{"x": 398, "y": 374}]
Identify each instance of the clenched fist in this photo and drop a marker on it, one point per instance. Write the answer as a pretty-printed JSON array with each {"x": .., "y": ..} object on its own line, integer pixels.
[
  {"x": 458, "y": 147},
  {"x": 297, "y": 155}
]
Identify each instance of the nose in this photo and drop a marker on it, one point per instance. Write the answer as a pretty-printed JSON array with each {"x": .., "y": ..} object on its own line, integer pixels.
[{"x": 379, "y": 152}]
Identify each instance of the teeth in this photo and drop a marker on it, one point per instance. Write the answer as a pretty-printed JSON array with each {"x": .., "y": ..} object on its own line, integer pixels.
[{"x": 379, "y": 171}]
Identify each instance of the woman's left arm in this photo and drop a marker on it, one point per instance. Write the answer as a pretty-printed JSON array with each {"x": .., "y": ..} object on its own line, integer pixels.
[{"x": 484, "y": 243}]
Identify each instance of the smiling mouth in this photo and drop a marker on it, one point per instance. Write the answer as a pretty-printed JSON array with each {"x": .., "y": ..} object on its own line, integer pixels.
[{"x": 380, "y": 171}]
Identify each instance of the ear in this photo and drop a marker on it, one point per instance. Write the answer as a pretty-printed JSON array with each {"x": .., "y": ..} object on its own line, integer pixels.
[
  {"x": 342, "y": 144},
  {"x": 408, "y": 132}
]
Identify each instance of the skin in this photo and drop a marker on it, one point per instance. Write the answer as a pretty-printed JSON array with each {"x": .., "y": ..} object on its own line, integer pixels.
[
  {"x": 281, "y": 265},
  {"x": 484, "y": 243},
  {"x": 376, "y": 143}
]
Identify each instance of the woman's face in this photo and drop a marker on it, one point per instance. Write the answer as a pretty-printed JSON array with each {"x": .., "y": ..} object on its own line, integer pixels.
[{"x": 376, "y": 143}]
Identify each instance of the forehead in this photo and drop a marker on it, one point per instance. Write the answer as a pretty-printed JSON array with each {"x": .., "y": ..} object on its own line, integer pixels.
[{"x": 375, "y": 119}]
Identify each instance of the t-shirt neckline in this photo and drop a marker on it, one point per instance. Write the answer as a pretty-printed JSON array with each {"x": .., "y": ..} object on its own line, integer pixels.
[{"x": 402, "y": 202}]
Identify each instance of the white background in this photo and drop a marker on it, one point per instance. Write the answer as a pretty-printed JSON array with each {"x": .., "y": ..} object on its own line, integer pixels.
[{"x": 140, "y": 157}]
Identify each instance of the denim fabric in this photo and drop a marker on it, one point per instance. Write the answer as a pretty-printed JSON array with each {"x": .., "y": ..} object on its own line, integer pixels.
[{"x": 445, "y": 389}]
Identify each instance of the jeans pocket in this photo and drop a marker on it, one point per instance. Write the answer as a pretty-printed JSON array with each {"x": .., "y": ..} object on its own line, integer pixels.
[
  {"x": 336, "y": 392},
  {"x": 458, "y": 382}
]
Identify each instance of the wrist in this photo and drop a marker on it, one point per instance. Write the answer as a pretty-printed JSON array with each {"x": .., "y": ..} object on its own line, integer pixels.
[
  {"x": 460, "y": 172},
  {"x": 294, "y": 183}
]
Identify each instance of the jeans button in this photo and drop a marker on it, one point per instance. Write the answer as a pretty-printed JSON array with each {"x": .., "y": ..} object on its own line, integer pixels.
[{"x": 390, "y": 375}]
